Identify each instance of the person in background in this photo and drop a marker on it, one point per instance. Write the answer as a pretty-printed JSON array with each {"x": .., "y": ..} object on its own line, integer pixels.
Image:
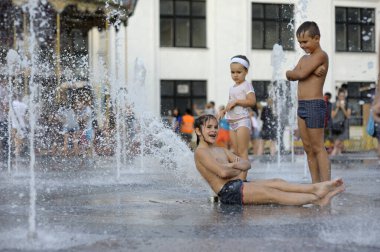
[
  {"x": 70, "y": 126},
  {"x": 187, "y": 126},
  {"x": 376, "y": 105},
  {"x": 85, "y": 120},
  {"x": 340, "y": 115},
  {"x": 223, "y": 139},
  {"x": 269, "y": 127},
  {"x": 256, "y": 141},
  {"x": 176, "y": 120},
  {"x": 328, "y": 120},
  {"x": 4, "y": 110},
  {"x": 19, "y": 128},
  {"x": 210, "y": 108},
  {"x": 376, "y": 101}
]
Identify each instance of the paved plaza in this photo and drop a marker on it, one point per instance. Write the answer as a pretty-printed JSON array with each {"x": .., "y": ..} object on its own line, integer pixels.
[{"x": 83, "y": 207}]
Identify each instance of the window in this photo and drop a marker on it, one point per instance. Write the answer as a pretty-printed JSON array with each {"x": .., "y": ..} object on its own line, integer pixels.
[
  {"x": 182, "y": 94},
  {"x": 358, "y": 94},
  {"x": 271, "y": 24},
  {"x": 6, "y": 30},
  {"x": 355, "y": 29},
  {"x": 183, "y": 23},
  {"x": 261, "y": 90}
]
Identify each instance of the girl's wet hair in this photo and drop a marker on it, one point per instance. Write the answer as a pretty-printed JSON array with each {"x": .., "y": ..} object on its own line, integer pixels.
[{"x": 201, "y": 121}]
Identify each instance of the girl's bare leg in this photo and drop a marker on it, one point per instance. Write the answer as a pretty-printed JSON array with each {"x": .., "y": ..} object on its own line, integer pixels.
[
  {"x": 242, "y": 137},
  {"x": 233, "y": 137}
]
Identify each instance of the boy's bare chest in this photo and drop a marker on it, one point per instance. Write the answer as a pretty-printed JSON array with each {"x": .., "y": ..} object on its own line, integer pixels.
[{"x": 219, "y": 155}]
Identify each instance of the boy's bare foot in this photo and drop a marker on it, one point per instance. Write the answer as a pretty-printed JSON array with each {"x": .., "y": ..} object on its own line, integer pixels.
[
  {"x": 327, "y": 198},
  {"x": 324, "y": 188}
]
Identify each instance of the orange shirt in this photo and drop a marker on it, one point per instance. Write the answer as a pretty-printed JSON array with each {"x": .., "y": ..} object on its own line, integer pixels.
[{"x": 187, "y": 124}]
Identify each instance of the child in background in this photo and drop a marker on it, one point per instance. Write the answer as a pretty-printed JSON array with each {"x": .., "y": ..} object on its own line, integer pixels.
[
  {"x": 241, "y": 97},
  {"x": 176, "y": 120},
  {"x": 256, "y": 140},
  {"x": 187, "y": 126},
  {"x": 223, "y": 139}
]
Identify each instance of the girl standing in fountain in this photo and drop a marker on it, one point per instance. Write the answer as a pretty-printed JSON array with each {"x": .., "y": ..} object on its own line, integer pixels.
[{"x": 241, "y": 96}]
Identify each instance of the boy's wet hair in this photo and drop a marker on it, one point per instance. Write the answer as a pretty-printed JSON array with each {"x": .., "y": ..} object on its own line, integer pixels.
[
  {"x": 201, "y": 121},
  {"x": 308, "y": 26}
]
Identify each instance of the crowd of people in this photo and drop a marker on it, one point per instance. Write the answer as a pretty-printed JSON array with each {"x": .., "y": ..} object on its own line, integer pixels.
[
  {"x": 263, "y": 130},
  {"x": 69, "y": 127}
]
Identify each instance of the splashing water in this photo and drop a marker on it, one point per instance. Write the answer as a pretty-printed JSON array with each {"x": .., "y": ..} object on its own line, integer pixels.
[{"x": 284, "y": 97}]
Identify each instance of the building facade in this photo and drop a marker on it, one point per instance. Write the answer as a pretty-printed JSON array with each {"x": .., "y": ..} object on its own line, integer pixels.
[{"x": 186, "y": 47}]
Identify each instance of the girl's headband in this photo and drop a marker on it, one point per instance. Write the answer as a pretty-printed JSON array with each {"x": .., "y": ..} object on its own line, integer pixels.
[{"x": 240, "y": 61}]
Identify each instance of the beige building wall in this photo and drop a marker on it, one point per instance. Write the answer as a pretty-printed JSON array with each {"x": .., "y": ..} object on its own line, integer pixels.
[{"x": 228, "y": 34}]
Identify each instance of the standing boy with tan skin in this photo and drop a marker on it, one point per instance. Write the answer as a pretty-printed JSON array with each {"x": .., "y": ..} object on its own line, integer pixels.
[
  {"x": 310, "y": 73},
  {"x": 222, "y": 169}
]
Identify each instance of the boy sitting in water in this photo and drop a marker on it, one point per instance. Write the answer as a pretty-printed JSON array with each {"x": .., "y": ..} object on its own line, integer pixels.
[{"x": 221, "y": 169}]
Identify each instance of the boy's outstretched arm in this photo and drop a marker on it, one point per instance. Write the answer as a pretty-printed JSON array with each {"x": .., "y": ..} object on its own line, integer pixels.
[
  {"x": 221, "y": 170},
  {"x": 306, "y": 66}
]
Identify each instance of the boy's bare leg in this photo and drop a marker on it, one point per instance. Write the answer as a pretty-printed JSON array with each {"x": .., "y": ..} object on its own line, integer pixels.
[
  {"x": 318, "y": 189},
  {"x": 257, "y": 193},
  {"x": 311, "y": 157},
  {"x": 326, "y": 200},
  {"x": 319, "y": 151}
]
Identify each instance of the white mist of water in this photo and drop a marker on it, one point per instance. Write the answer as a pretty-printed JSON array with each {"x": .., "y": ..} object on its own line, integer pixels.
[
  {"x": 13, "y": 66},
  {"x": 32, "y": 8},
  {"x": 284, "y": 97}
]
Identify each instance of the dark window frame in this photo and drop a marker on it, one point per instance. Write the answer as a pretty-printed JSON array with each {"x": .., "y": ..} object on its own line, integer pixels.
[
  {"x": 281, "y": 21},
  {"x": 361, "y": 23},
  {"x": 176, "y": 97},
  {"x": 265, "y": 84},
  {"x": 359, "y": 93},
  {"x": 191, "y": 17}
]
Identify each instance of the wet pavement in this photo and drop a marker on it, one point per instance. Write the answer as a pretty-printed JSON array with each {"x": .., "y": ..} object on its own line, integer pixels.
[{"x": 81, "y": 206}]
